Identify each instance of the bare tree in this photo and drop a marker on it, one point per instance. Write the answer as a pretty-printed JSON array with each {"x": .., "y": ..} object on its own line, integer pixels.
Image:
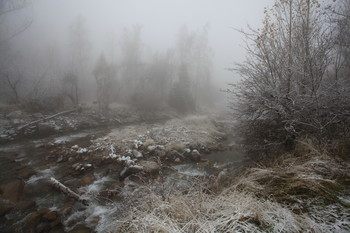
[
  {"x": 11, "y": 26},
  {"x": 80, "y": 50},
  {"x": 105, "y": 75}
]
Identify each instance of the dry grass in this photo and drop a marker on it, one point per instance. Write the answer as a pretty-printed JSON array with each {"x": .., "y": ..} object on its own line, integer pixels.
[{"x": 294, "y": 193}]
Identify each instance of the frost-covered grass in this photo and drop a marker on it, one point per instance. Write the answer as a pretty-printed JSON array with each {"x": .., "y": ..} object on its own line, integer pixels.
[{"x": 299, "y": 192}]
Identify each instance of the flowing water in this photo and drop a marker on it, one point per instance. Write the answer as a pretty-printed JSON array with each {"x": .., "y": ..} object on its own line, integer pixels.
[{"x": 27, "y": 161}]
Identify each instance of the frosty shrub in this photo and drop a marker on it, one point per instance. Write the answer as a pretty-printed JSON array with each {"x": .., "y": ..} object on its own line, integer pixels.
[{"x": 295, "y": 79}]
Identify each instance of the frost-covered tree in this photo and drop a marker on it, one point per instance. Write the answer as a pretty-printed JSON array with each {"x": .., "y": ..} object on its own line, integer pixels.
[{"x": 282, "y": 93}]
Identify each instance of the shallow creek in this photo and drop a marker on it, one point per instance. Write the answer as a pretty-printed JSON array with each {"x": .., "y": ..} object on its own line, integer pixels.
[{"x": 36, "y": 206}]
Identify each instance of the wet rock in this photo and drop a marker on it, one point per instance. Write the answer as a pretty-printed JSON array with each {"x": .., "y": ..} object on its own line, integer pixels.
[
  {"x": 12, "y": 190},
  {"x": 150, "y": 167}
]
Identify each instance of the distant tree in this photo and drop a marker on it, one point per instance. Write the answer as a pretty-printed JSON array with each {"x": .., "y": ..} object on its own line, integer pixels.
[
  {"x": 9, "y": 29},
  {"x": 193, "y": 50},
  {"x": 153, "y": 89},
  {"x": 70, "y": 87},
  {"x": 80, "y": 51},
  {"x": 180, "y": 96},
  {"x": 11, "y": 76},
  {"x": 131, "y": 63},
  {"x": 105, "y": 75}
]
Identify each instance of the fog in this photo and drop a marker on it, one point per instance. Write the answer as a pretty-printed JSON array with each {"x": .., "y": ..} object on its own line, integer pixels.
[{"x": 46, "y": 44}]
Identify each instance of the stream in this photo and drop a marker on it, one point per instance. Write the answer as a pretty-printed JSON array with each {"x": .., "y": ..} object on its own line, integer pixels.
[{"x": 29, "y": 203}]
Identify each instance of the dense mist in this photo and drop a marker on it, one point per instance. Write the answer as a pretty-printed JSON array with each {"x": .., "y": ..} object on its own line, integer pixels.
[{"x": 150, "y": 54}]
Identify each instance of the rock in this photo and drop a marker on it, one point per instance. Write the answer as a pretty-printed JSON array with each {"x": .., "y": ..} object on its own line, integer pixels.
[
  {"x": 187, "y": 151},
  {"x": 151, "y": 148},
  {"x": 12, "y": 190},
  {"x": 150, "y": 167},
  {"x": 15, "y": 114},
  {"x": 137, "y": 154},
  {"x": 174, "y": 145},
  {"x": 50, "y": 216},
  {"x": 148, "y": 142},
  {"x": 195, "y": 156}
]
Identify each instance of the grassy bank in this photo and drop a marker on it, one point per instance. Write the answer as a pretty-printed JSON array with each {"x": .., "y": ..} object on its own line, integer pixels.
[{"x": 307, "y": 190}]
